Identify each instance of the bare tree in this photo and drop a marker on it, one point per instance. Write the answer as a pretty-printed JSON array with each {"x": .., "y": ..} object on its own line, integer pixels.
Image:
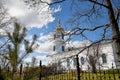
[
  {"x": 52, "y": 69},
  {"x": 34, "y": 61},
  {"x": 5, "y": 20},
  {"x": 92, "y": 11},
  {"x": 93, "y": 56}
]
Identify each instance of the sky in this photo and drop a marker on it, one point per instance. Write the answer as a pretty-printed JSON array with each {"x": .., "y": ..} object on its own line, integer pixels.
[
  {"x": 41, "y": 24},
  {"x": 41, "y": 21}
]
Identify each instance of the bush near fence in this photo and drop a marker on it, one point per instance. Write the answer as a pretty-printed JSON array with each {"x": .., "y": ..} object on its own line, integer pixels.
[{"x": 53, "y": 73}]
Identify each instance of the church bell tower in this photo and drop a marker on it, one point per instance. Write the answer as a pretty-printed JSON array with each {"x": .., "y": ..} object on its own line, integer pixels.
[{"x": 58, "y": 40}]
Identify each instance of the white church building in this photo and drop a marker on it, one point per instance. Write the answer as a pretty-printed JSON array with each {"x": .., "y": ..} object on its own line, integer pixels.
[{"x": 65, "y": 56}]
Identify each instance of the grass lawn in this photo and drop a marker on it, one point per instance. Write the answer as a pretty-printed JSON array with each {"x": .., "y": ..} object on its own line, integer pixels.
[{"x": 102, "y": 75}]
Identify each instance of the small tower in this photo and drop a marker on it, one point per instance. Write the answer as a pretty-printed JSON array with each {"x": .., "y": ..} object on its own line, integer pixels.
[{"x": 58, "y": 35}]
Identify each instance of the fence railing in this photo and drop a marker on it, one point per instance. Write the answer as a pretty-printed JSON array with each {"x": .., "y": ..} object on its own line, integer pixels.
[{"x": 55, "y": 72}]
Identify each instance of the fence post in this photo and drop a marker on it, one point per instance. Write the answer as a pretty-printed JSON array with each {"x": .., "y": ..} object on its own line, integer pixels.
[
  {"x": 21, "y": 66},
  {"x": 113, "y": 72},
  {"x": 78, "y": 68},
  {"x": 8, "y": 69},
  {"x": 40, "y": 65},
  {"x": 0, "y": 69}
]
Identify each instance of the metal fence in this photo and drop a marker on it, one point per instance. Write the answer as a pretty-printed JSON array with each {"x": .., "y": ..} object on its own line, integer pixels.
[{"x": 56, "y": 72}]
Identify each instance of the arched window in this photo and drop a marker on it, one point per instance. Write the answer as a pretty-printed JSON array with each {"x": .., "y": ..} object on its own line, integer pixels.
[
  {"x": 58, "y": 35},
  {"x": 104, "y": 59},
  {"x": 54, "y": 36},
  {"x": 63, "y": 48},
  {"x": 82, "y": 60},
  {"x": 68, "y": 62},
  {"x": 53, "y": 48},
  {"x": 74, "y": 62},
  {"x": 62, "y": 36}
]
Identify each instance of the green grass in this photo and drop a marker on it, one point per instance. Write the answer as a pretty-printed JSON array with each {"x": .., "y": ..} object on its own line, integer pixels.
[{"x": 102, "y": 75}]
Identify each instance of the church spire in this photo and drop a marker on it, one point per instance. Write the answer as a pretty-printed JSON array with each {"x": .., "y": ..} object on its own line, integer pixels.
[
  {"x": 58, "y": 35},
  {"x": 58, "y": 23},
  {"x": 58, "y": 28}
]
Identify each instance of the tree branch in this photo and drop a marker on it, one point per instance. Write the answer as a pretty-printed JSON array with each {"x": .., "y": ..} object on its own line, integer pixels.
[
  {"x": 93, "y": 1},
  {"x": 81, "y": 30},
  {"x": 56, "y": 2},
  {"x": 4, "y": 44}
]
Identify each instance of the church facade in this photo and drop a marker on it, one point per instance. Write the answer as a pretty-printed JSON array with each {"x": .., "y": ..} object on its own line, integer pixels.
[{"x": 104, "y": 57}]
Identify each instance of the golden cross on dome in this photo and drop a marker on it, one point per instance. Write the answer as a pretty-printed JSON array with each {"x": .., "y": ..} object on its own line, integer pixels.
[{"x": 58, "y": 23}]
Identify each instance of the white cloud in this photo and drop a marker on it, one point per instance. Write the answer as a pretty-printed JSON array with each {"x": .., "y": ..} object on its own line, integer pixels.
[
  {"x": 29, "y": 37},
  {"x": 29, "y": 17},
  {"x": 45, "y": 44},
  {"x": 2, "y": 32},
  {"x": 41, "y": 34},
  {"x": 47, "y": 37},
  {"x": 22, "y": 47},
  {"x": 28, "y": 60},
  {"x": 45, "y": 47}
]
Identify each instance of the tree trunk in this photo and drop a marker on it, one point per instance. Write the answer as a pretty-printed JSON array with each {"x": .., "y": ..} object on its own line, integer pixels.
[
  {"x": 94, "y": 69},
  {"x": 114, "y": 27}
]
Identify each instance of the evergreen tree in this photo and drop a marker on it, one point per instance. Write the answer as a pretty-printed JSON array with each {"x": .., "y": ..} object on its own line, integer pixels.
[{"x": 17, "y": 37}]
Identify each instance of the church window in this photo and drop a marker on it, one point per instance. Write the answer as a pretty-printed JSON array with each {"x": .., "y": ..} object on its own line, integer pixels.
[
  {"x": 53, "y": 48},
  {"x": 58, "y": 35},
  {"x": 82, "y": 60},
  {"x": 74, "y": 62},
  {"x": 63, "y": 48},
  {"x": 54, "y": 36},
  {"x": 62, "y": 36},
  {"x": 68, "y": 62},
  {"x": 104, "y": 59}
]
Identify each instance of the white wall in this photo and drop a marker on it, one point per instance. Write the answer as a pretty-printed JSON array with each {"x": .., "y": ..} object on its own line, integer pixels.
[{"x": 105, "y": 49}]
